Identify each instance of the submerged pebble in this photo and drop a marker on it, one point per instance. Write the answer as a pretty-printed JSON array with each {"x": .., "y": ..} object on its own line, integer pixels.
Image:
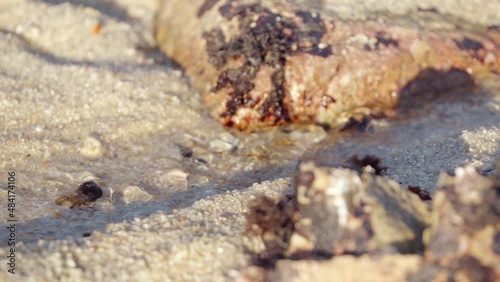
[
  {"x": 131, "y": 194},
  {"x": 224, "y": 143},
  {"x": 93, "y": 147}
]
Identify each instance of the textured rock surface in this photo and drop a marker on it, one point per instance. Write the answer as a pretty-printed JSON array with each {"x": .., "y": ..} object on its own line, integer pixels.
[
  {"x": 346, "y": 212},
  {"x": 261, "y": 63},
  {"x": 342, "y": 212},
  {"x": 344, "y": 268},
  {"x": 273, "y": 222},
  {"x": 463, "y": 241}
]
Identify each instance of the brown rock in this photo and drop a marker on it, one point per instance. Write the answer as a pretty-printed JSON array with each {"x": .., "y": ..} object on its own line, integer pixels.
[
  {"x": 349, "y": 268},
  {"x": 262, "y": 63},
  {"x": 463, "y": 241},
  {"x": 273, "y": 222},
  {"x": 340, "y": 212}
]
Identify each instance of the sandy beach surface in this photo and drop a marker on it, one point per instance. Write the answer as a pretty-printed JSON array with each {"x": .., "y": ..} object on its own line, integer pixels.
[{"x": 86, "y": 95}]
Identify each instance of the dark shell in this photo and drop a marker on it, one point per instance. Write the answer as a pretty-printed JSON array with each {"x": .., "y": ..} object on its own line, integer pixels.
[{"x": 89, "y": 191}]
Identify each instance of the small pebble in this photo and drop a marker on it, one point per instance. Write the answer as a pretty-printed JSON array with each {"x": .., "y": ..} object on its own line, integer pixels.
[
  {"x": 493, "y": 107},
  {"x": 93, "y": 147},
  {"x": 131, "y": 194},
  {"x": 177, "y": 177},
  {"x": 224, "y": 143}
]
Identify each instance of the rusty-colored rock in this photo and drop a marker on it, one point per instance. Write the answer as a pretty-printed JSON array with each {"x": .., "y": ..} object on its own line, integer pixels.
[{"x": 262, "y": 63}]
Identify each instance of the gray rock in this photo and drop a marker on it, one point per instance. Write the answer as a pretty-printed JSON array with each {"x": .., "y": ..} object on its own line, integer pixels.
[{"x": 346, "y": 212}]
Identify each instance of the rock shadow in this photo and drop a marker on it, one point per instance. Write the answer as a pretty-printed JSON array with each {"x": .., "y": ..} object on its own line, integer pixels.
[{"x": 426, "y": 135}]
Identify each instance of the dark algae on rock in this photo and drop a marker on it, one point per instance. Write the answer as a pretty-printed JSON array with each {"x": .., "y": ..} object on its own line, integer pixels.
[
  {"x": 266, "y": 38},
  {"x": 273, "y": 221},
  {"x": 462, "y": 241},
  {"x": 265, "y": 63}
]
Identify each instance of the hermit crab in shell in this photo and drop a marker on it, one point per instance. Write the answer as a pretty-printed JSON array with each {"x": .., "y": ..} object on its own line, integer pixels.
[{"x": 87, "y": 192}]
